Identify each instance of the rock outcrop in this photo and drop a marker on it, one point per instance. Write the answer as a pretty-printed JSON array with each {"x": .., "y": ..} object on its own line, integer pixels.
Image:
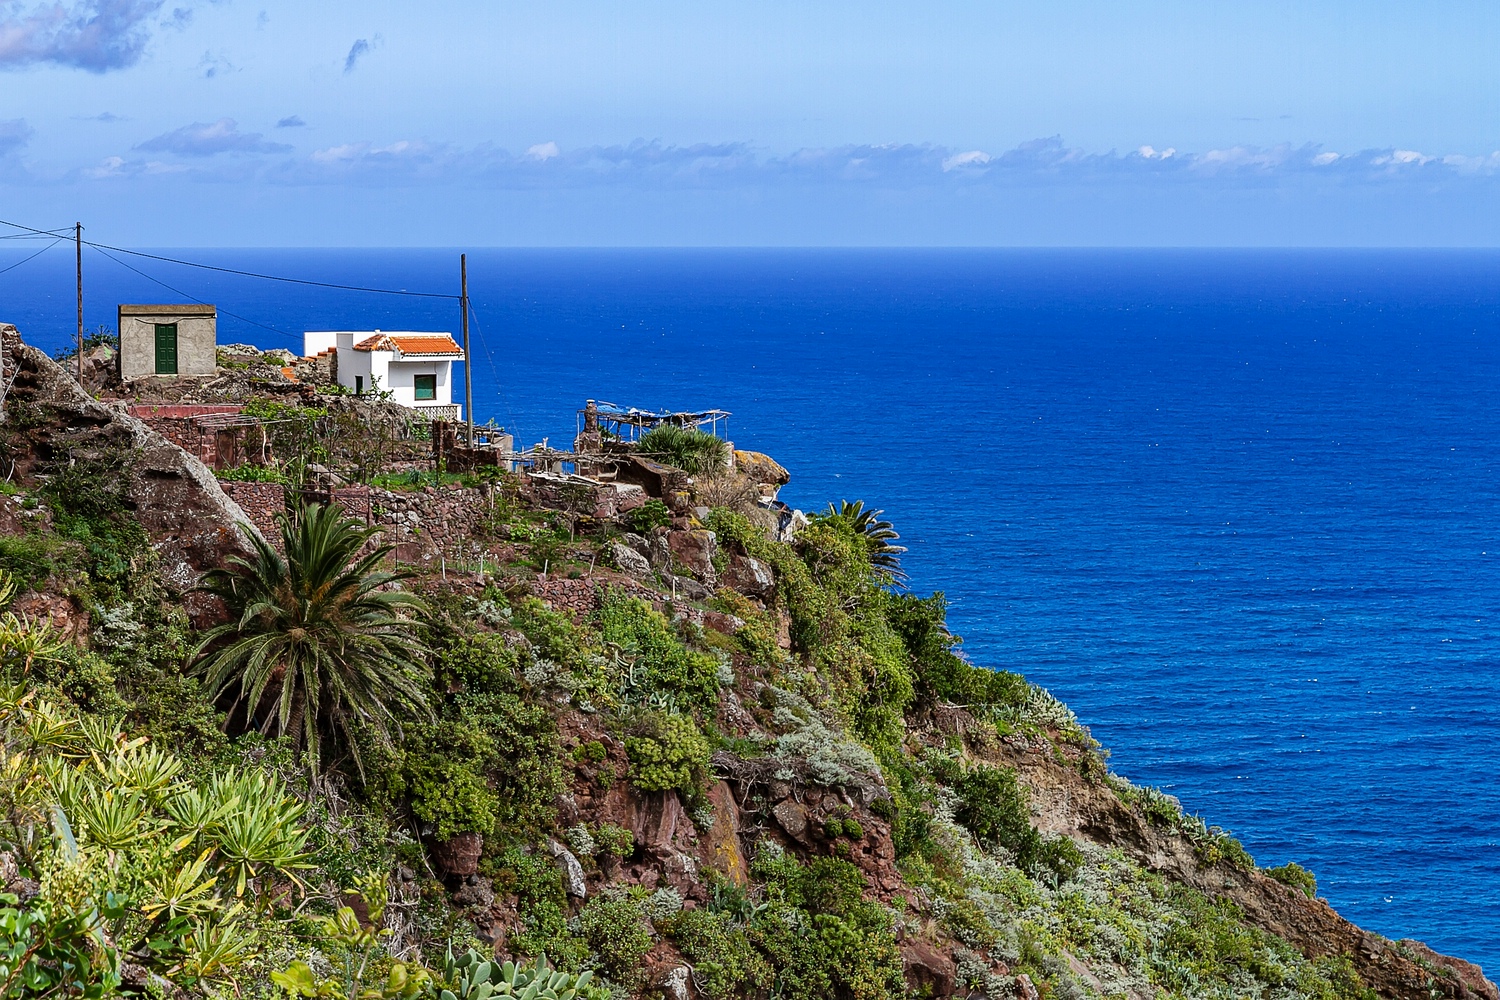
[{"x": 51, "y": 423}]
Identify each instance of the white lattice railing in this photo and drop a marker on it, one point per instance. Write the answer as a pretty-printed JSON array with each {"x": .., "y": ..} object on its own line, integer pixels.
[{"x": 439, "y": 411}]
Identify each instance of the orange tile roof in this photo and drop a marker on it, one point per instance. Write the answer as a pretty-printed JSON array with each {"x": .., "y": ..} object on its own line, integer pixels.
[{"x": 410, "y": 343}]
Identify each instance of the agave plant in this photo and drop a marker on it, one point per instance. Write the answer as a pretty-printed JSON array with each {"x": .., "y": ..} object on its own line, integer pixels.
[
  {"x": 317, "y": 645},
  {"x": 880, "y": 535},
  {"x": 691, "y": 450},
  {"x": 470, "y": 977}
]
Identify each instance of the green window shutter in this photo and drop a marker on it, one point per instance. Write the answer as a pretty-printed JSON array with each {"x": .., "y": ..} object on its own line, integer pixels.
[
  {"x": 166, "y": 348},
  {"x": 425, "y": 386}
]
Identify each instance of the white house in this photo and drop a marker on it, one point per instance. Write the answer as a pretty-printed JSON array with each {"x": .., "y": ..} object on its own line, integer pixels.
[{"x": 415, "y": 368}]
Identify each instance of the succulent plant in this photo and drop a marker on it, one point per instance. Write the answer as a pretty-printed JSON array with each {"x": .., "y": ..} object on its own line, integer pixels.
[{"x": 470, "y": 977}]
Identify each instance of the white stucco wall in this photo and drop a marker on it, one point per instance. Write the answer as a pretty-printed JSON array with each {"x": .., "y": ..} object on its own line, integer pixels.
[
  {"x": 400, "y": 379},
  {"x": 318, "y": 341},
  {"x": 381, "y": 369}
]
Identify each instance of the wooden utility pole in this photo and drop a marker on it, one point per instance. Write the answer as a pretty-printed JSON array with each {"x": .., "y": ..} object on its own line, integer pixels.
[
  {"x": 78, "y": 248},
  {"x": 463, "y": 303}
]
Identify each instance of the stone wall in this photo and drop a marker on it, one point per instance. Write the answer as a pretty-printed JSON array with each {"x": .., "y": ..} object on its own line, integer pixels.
[
  {"x": 180, "y": 423},
  {"x": 261, "y": 502},
  {"x": 581, "y": 596}
]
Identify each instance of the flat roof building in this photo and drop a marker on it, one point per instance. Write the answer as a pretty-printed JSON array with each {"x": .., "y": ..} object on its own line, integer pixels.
[{"x": 167, "y": 340}]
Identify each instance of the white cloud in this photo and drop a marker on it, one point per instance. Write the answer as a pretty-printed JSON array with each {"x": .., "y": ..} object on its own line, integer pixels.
[
  {"x": 1039, "y": 163},
  {"x": 973, "y": 158},
  {"x": 1403, "y": 157},
  {"x": 208, "y": 139}
]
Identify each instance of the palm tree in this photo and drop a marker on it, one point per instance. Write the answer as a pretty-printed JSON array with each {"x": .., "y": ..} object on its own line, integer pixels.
[
  {"x": 879, "y": 535},
  {"x": 316, "y": 644}
]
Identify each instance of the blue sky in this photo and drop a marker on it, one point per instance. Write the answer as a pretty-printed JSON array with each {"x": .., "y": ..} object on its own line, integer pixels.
[{"x": 235, "y": 122}]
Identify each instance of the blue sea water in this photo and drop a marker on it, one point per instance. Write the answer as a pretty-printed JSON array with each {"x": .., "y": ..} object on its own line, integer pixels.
[{"x": 1238, "y": 509}]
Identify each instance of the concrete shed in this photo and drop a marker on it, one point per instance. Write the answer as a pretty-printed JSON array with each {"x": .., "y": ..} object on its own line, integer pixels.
[{"x": 168, "y": 340}]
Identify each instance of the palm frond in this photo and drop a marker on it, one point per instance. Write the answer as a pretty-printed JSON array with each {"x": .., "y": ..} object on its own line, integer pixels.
[{"x": 316, "y": 645}]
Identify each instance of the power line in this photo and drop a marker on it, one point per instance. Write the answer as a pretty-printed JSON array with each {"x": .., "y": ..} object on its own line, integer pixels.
[
  {"x": 43, "y": 250},
  {"x": 494, "y": 373},
  {"x": 274, "y": 277},
  {"x": 60, "y": 231},
  {"x": 178, "y": 291}
]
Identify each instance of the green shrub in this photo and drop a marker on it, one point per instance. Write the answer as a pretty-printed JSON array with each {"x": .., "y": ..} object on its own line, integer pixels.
[
  {"x": 535, "y": 881},
  {"x": 941, "y": 673},
  {"x": 33, "y": 559},
  {"x": 1297, "y": 877},
  {"x": 526, "y": 769},
  {"x": 657, "y": 663},
  {"x": 649, "y": 516},
  {"x": 734, "y": 529},
  {"x": 592, "y": 751},
  {"x": 89, "y": 506},
  {"x": 819, "y": 934},
  {"x": 667, "y": 752},
  {"x": 996, "y": 809},
  {"x": 614, "y": 925},
  {"x": 443, "y": 775},
  {"x": 613, "y": 840},
  {"x": 479, "y": 661},
  {"x": 724, "y": 960}
]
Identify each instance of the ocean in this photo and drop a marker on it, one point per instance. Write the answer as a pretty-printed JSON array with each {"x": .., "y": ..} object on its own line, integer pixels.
[{"x": 1237, "y": 508}]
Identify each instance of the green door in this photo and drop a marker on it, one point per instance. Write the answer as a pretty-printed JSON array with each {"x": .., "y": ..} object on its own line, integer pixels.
[{"x": 166, "y": 348}]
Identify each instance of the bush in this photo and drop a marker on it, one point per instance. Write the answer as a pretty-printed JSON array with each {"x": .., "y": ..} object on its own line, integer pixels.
[
  {"x": 822, "y": 938},
  {"x": 526, "y": 770},
  {"x": 997, "y": 810},
  {"x": 658, "y": 663},
  {"x": 942, "y": 674},
  {"x": 542, "y": 905},
  {"x": 667, "y": 752},
  {"x": 614, "y": 925},
  {"x": 649, "y": 516},
  {"x": 443, "y": 775},
  {"x": 1297, "y": 877},
  {"x": 731, "y": 528},
  {"x": 724, "y": 960}
]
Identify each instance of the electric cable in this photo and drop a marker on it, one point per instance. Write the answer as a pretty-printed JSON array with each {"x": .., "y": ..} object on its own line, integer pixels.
[
  {"x": 60, "y": 231},
  {"x": 494, "y": 372},
  {"x": 274, "y": 277},
  {"x": 43, "y": 250},
  {"x": 177, "y": 291}
]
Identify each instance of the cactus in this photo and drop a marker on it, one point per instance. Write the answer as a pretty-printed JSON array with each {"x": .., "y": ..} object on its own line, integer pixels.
[{"x": 470, "y": 977}]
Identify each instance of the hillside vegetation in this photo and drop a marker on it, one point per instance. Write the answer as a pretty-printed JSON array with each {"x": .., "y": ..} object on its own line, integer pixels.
[{"x": 314, "y": 773}]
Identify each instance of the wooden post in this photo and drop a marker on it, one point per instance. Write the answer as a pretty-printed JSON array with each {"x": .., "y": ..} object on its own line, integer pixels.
[
  {"x": 78, "y": 248},
  {"x": 463, "y": 289}
]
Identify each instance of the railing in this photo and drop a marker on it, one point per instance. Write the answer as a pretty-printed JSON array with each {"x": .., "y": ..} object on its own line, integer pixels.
[{"x": 439, "y": 411}]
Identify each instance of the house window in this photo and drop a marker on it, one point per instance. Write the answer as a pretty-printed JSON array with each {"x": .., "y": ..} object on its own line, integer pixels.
[
  {"x": 359, "y": 385},
  {"x": 425, "y": 386},
  {"x": 166, "y": 348}
]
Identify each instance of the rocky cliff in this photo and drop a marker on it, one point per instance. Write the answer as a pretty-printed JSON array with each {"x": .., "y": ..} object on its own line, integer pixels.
[{"x": 708, "y": 751}]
